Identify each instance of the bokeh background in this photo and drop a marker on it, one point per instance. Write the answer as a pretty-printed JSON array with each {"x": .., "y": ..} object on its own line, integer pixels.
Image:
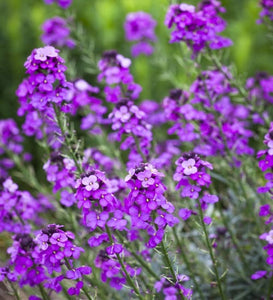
[{"x": 98, "y": 26}]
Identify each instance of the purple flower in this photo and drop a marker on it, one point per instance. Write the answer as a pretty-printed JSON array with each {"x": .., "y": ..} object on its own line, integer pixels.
[
  {"x": 93, "y": 219},
  {"x": 258, "y": 275},
  {"x": 90, "y": 183},
  {"x": 58, "y": 238},
  {"x": 146, "y": 178},
  {"x": 197, "y": 27},
  {"x": 139, "y": 26},
  {"x": 191, "y": 191},
  {"x": 185, "y": 213},
  {"x": 56, "y": 33},
  {"x": 75, "y": 290},
  {"x": 189, "y": 167}
]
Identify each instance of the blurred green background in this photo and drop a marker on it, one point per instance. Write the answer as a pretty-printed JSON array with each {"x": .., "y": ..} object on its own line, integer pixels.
[{"x": 102, "y": 24}]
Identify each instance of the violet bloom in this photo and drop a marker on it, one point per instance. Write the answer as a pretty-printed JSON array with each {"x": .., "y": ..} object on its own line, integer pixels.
[
  {"x": 146, "y": 204},
  {"x": 56, "y": 33},
  {"x": 45, "y": 86},
  {"x": 267, "y": 11},
  {"x": 139, "y": 27},
  {"x": 197, "y": 26},
  {"x": 90, "y": 183},
  {"x": 189, "y": 167}
]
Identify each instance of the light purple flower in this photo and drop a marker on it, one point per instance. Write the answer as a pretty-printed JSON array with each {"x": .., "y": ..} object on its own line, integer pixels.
[{"x": 90, "y": 183}]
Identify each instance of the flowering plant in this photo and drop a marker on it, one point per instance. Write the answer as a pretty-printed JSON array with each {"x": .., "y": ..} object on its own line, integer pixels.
[{"x": 140, "y": 199}]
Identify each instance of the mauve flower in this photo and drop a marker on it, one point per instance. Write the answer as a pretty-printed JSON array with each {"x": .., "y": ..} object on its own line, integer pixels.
[
  {"x": 258, "y": 275},
  {"x": 90, "y": 183},
  {"x": 189, "y": 167}
]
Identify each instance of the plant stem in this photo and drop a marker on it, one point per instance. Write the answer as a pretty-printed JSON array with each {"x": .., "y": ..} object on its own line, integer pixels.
[
  {"x": 14, "y": 290},
  {"x": 189, "y": 268},
  {"x": 214, "y": 262},
  {"x": 43, "y": 292},
  {"x": 270, "y": 288},
  {"x": 138, "y": 148},
  {"x": 66, "y": 141},
  {"x": 145, "y": 265},
  {"x": 170, "y": 266},
  {"x": 128, "y": 277}
]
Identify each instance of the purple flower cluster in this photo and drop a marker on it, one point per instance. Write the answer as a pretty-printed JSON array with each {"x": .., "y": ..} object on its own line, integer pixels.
[
  {"x": 34, "y": 260},
  {"x": 219, "y": 126},
  {"x": 18, "y": 209},
  {"x": 128, "y": 119},
  {"x": 95, "y": 200},
  {"x": 56, "y": 33},
  {"x": 115, "y": 71},
  {"x": 10, "y": 140},
  {"x": 61, "y": 172},
  {"x": 181, "y": 113},
  {"x": 260, "y": 88},
  {"x": 100, "y": 161},
  {"x": 267, "y": 10},
  {"x": 191, "y": 175},
  {"x": 198, "y": 27},
  {"x": 171, "y": 291},
  {"x": 46, "y": 86},
  {"x": 146, "y": 204},
  {"x": 111, "y": 269},
  {"x": 62, "y": 3},
  {"x": 139, "y": 26},
  {"x": 82, "y": 100},
  {"x": 266, "y": 163}
]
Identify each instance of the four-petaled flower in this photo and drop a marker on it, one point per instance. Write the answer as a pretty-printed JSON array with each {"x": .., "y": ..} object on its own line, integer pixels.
[
  {"x": 90, "y": 183},
  {"x": 189, "y": 166}
]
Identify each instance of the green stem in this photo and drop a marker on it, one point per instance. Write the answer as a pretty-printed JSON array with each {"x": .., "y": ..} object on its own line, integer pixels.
[
  {"x": 140, "y": 260},
  {"x": 219, "y": 66},
  {"x": 43, "y": 292},
  {"x": 128, "y": 277},
  {"x": 214, "y": 262},
  {"x": 14, "y": 290},
  {"x": 145, "y": 265},
  {"x": 270, "y": 288},
  {"x": 234, "y": 240},
  {"x": 66, "y": 141},
  {"x": 170, "y": 266},
  {"x": 19, "y": 217},
  {"x": 189, "y": 268},
  {"x": 138, "y": 148}
]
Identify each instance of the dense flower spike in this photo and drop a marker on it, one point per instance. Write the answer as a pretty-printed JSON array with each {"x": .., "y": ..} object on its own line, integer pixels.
[
  {"x": 45, "y": 87},
  {"x": 146, "y": 204},
  {"x": 260, "y": 88},
  {"x": 198, "y": 26},
  {"x": 83, "y": 99},
  {"x": 267, "y": 11},
  {"x": 266, "y": 165},
  {"x": 127, "y": 119},
  {"x": 18, "y": 209},
  {"x": 139, "y": 27},
  {"x": 95, "y": 200},
  {"x": 34, "y": 260},
  {"x": 56, "y": 33},
  {"x": 191, "y": 175},
  {"x": 115, "y": 71},
  {"x": 220, "y": 126},
  {"x": 10, "y": 140},
  {"x": 62, "y": 3}
]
